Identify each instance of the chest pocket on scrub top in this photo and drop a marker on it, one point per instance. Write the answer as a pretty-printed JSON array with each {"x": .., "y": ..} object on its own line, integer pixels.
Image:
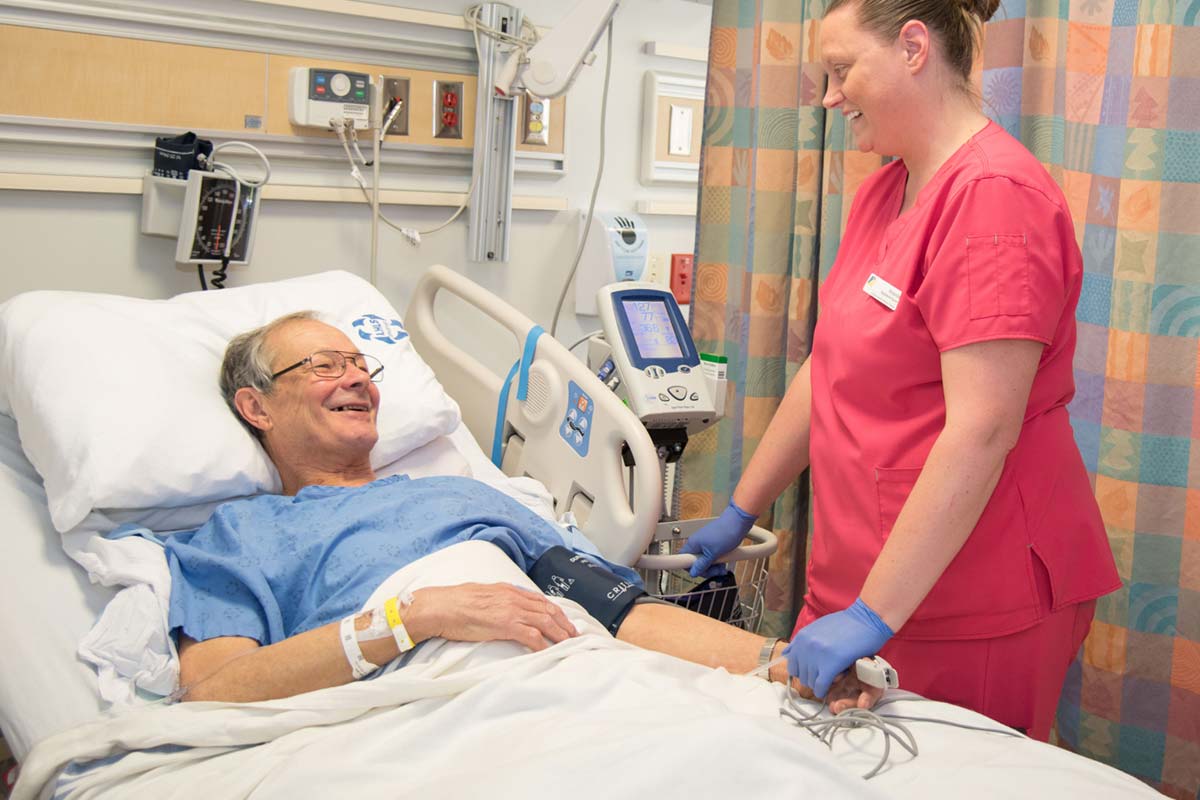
[{"x": 998, "y": 276}]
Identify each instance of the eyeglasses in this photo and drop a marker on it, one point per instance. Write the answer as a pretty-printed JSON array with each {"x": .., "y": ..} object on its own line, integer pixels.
[{"x": 332, "y": 364}]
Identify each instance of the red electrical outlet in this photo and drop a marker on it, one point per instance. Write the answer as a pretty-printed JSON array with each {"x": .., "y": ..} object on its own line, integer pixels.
[
  {"x": 681, "y": 277},
  {"x": 448, "y": 109}
]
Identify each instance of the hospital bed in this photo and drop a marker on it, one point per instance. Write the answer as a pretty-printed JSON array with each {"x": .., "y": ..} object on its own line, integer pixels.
[{"x": 130, "y": 435}]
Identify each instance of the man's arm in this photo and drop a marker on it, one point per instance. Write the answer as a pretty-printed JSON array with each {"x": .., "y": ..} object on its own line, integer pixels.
[
  {"x": 237, "y": 669},
  {"x": 694, "y": 637}
]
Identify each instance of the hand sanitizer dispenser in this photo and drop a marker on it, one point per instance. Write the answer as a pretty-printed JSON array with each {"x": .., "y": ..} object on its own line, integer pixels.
[{"x": 616, "y": 250}]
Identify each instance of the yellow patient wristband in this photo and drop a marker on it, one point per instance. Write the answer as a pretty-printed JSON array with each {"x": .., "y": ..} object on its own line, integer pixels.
[
  {"x": 391, "y": 609},
  {"x": 367, "y": 626}
]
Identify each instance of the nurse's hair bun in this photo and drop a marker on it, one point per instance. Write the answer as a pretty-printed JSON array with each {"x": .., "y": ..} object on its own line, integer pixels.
[
  {"x": 956, "y": 24},
  {"x": 984, "y": 9}
]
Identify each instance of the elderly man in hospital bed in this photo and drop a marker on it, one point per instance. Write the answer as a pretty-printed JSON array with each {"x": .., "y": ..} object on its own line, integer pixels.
[{"x": 267, "y": 595}]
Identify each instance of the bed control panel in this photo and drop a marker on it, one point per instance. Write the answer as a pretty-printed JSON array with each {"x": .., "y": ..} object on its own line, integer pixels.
[{"x": 576, "y": 426}]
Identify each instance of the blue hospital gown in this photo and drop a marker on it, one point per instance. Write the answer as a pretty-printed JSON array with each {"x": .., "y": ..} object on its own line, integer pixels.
[{"x": 273, "y": 566}]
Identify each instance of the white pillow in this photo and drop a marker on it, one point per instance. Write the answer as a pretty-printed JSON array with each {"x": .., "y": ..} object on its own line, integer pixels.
[{"x": 117, "y": 402}]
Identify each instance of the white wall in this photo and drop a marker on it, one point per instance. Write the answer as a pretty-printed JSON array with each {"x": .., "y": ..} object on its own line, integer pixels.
[{"x": 57, "y": 240}]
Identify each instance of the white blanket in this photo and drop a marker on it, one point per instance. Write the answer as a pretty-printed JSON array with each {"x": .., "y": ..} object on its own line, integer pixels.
[{"x": 591, "y": 717}]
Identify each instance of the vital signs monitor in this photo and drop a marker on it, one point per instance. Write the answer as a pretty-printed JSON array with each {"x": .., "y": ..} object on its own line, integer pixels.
[{"x": 654, "y": 363}]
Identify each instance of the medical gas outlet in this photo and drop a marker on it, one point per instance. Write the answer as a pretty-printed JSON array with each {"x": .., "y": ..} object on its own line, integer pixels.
[
  {"x": 395, "y": 104},
  {"x": 322, "y": 98},
  {"x": 536, "y": 127}
]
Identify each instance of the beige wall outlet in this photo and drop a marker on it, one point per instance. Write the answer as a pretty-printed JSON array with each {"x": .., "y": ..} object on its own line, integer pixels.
[{"x": 658, "y": 269}]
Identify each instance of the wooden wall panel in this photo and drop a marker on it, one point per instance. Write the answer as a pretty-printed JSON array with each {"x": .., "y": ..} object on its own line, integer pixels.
[
  {"x": 91, "y": 77},
  {"x": 64, "y": 75}
]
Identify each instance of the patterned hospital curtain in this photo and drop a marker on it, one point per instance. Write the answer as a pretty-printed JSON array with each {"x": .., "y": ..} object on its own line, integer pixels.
[
  {"x": 770, "y": 181},
  {"x": 1107, "y": 94}
]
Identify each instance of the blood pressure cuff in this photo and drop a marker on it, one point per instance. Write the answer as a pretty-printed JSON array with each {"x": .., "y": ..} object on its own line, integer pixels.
[
  {"x": 176, "y": 156},
  {"x": 607, "y": 597}
]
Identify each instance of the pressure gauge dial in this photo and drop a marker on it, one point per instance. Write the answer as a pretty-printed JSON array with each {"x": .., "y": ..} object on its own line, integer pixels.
[
  {"x": 215, "y": 216},
  {"x": 212, "y": 230}
]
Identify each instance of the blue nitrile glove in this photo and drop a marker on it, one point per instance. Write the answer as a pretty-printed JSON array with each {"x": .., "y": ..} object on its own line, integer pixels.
[
  {"x": 827, "y": 647},
  {"x": 716, "y": 539}
]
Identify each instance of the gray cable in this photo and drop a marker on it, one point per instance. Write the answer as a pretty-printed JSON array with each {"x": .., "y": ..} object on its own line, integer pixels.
[
  {"x": 1001, "y": 731},
  {"x": 584, "y": 338},
  {"x": 824, "y": 729},
  {"x": 587, "y": 224}
]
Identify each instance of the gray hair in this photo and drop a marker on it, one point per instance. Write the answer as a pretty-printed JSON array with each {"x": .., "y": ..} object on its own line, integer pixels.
[{"x": 247, "y": 363}]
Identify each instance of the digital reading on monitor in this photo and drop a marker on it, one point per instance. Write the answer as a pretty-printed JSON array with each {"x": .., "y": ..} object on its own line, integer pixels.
[{"x": 653, "y": 333}]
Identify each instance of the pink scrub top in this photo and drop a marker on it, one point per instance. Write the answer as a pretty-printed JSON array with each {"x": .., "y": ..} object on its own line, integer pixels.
[{"x": 987, "y": 252}]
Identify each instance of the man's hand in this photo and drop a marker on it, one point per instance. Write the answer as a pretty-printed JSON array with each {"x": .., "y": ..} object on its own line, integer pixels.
[
  {"x": 849, "y": 692},
  {"x": 484, "y": 612},
  {"x": 827, "y": 647}
]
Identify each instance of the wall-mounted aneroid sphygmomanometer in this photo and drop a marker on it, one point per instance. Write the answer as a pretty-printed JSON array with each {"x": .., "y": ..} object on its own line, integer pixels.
[{"x": 204, "y": 203}]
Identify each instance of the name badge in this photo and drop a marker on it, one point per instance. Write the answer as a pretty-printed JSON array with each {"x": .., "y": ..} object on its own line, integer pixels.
[{"x": 882, "y": 291}]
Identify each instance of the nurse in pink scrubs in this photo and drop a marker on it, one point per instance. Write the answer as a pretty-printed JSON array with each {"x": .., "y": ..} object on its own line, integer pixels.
[{"x": 955, "y": 529}]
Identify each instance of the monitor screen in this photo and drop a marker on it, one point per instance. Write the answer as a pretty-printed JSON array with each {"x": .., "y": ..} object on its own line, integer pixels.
[{"x": 653, "y": 334}]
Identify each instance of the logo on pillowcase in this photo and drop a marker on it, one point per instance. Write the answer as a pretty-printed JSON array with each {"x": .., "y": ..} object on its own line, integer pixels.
[{"x": 375, "y": 328}]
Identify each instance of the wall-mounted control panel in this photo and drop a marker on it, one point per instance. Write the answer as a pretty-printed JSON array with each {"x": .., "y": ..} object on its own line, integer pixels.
[
  {"x": 447, "y": 109},
  {"x": 321, "y": 98}
]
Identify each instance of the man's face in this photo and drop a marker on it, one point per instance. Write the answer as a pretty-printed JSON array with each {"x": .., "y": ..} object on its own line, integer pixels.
[{"x": 317, "y": 418}]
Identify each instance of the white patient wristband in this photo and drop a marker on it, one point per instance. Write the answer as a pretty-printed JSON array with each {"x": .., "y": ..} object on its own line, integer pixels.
[
  {"x": 376, "y": 623},
  {"x": 359, "y": 666}
]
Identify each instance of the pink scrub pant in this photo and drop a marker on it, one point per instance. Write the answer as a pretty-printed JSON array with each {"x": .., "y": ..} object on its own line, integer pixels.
[{"x": 1014, "y": 679}]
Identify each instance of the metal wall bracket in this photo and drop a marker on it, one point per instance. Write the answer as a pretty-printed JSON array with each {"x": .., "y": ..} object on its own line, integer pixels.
[{"x": 495, "y": 144}]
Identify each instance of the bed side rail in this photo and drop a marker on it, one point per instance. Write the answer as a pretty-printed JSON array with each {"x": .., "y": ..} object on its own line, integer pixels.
[{"x": 618, "y": 508}]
